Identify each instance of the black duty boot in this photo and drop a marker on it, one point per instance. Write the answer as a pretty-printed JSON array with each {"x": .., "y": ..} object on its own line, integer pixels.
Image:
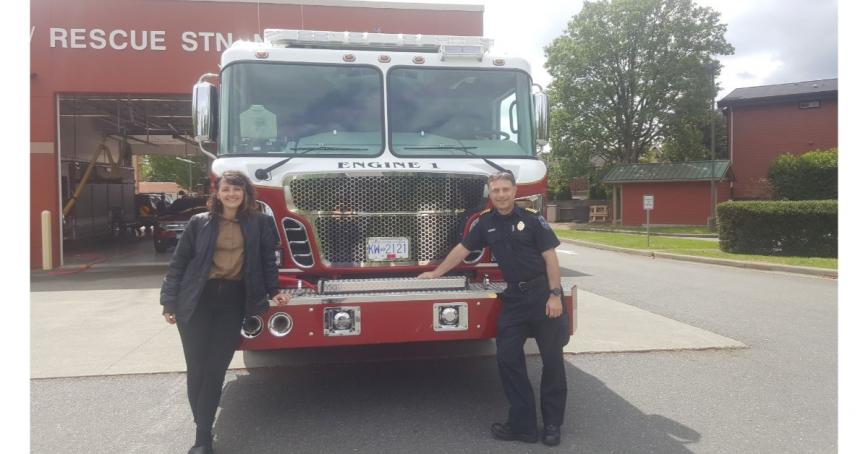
[
  {"x": 551, "y": 435},
  {"x": 505, "y": 432}
]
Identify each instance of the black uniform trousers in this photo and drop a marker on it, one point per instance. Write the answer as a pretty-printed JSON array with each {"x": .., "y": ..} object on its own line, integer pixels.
[
  {"x": 551, "y": 335},
  {"x": 209, "y": 340}
]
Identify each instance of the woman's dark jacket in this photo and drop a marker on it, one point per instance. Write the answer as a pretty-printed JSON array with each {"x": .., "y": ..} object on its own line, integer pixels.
[{"x": 191, "y": 263}]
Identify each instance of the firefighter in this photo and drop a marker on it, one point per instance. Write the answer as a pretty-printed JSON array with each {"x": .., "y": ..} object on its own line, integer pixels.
[{"x": 524, "y": 245}]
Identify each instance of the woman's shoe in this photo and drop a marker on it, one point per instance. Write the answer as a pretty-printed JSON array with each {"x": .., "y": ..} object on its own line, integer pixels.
[{"x": 201, "y": 450}]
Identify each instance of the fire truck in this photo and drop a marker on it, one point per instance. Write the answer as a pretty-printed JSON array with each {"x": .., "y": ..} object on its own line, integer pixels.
[{"x": 371, "y": 151}]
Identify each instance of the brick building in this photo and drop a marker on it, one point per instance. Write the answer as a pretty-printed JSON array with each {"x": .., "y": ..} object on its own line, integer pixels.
[
  {"x": 682, "y": 191},
  {"x": 768, "y": 121}
]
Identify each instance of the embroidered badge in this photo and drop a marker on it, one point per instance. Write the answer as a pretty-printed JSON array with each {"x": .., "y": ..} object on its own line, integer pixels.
[
  {"x": 543, "y": 222},
  {"x": 520, "y": 226}
]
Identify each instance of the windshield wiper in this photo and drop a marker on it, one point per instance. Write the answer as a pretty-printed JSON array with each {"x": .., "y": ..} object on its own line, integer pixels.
[
  {"x": 463, "y": 148},
  {"x": 263, "y": 174},
  {"x": 441, "y": 146},
  {"x": 327, "y": 148}
]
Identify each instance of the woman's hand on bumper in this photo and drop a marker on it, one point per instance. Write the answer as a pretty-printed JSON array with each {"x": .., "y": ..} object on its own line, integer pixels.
[{"x": 281, "y": 299}]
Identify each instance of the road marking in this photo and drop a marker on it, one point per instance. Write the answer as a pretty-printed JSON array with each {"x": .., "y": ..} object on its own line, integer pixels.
[{"x": 563, "y": 251}]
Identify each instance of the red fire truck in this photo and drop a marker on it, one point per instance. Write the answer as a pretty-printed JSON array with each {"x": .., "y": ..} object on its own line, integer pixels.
[{"x": 371, "y": 151}]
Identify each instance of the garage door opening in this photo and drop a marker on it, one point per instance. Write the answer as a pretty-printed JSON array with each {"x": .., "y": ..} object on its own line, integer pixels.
[{"x": 121, "y": 157}]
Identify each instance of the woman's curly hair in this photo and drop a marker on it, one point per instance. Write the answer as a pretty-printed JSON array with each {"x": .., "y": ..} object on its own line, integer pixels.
[{"x": 248, "y": 207}]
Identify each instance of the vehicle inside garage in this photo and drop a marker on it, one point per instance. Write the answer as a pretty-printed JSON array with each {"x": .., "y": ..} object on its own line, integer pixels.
[{"x": 112, "y": 148}]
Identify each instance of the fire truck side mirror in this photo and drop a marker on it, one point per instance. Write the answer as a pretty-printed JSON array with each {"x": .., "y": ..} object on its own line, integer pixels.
[
  {"x": 541, "y": 117},
  {"x": 205, "y": 112}
]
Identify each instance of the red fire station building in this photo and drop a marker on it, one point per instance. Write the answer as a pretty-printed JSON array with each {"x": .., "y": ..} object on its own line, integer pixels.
[
  {"x": 111, "y": 79},
  {"x": 764, "y": 122}
]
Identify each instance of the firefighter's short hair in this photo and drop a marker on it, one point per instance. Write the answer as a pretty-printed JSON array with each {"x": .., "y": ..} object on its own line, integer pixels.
[{"x": 508, "y": 176}]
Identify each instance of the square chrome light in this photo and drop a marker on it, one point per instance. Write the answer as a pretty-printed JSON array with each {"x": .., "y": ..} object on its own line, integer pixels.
[
  {"x": 342, "y": 321},
  {"x": 450, "y": 316}
]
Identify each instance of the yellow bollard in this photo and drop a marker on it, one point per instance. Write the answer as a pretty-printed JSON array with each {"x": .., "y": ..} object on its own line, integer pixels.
[{"x": 46, "y": 240}]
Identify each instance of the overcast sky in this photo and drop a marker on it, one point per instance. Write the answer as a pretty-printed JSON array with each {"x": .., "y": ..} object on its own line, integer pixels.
[{"x": 776, "y": 41}]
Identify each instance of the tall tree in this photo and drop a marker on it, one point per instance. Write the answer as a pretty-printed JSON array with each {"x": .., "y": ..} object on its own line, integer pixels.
[
  {"x": 625, "y": 70},
  {"x": 170, "y": 168},
  {"x": 689, "y": 139}
]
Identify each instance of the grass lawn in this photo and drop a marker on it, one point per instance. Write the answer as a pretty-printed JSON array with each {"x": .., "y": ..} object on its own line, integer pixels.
[{"x": 687, "y": 246}]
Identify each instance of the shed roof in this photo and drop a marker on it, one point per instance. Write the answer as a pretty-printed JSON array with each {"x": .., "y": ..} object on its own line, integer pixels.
[
  {"x": 659, "y": 172},
  {"x": 791, "y": 90}
]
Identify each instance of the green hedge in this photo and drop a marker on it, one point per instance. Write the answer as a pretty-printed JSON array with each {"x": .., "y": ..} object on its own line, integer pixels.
[
  {"x": 793, "y": 228},
  {"x": 811, "y": 176}
]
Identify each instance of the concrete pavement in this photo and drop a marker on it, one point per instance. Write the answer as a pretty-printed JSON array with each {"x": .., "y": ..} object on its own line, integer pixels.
[{"x": 116, "y": 332}]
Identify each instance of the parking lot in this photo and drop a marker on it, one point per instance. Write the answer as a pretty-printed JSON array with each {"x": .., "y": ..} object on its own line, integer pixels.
[{"x": 669, "y": 357}]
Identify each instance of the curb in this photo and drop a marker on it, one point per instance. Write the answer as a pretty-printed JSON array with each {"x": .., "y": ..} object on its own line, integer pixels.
[
  {"x": 572, "y": 226},
  {"x": 633, "y": 232},
  {"x": 806, "y": 270},
  {"x": 97, "y": 268}
]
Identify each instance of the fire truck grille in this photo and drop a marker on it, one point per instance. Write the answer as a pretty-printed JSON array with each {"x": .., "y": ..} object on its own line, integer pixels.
[
  {"x": 409, "y": 193},
  {"x": 343, "y": 239},
  {"x": 428, "y": 210}
]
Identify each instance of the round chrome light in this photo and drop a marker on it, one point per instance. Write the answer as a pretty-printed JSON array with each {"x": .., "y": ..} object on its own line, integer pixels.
[
  {"x": 251, "y": 327},
  {"x": 280, "y": 324},
  {"x": 342, "y": 320},
  {"x": 449, "y": 315}
]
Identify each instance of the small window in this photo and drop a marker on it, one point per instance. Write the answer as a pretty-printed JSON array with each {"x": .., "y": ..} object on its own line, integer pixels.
[{"x": 809, "y": 105}]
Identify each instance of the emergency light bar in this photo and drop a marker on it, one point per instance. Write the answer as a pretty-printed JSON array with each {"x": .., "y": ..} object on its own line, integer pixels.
[{"x": 465, "y": 46}]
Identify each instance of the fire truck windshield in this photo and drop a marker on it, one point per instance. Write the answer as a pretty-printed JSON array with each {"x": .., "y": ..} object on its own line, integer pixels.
[
  {"x": 445, "y": 111},
  {"x": 283, "y": 109}
]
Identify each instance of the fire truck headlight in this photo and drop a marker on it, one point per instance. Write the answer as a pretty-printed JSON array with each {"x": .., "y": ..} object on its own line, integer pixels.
[
  {"x": 280, "y": 324},
  {"x": 342, "y": 321},
  {"x": 251, "y": 327},
  {"x": 450, "y": 317}
]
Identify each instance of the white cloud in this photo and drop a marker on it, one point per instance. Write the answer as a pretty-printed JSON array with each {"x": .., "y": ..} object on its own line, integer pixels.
[
  {"x": 776, "y": 41},
  {"x": 747, "y": 71}
]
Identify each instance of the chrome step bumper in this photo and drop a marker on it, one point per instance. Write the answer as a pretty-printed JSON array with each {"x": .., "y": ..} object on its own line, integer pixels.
[{"x": 472, "y": 291}]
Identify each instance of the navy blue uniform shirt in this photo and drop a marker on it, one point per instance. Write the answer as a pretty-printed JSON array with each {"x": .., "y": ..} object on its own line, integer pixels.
[{"x": 517, "y": 241}]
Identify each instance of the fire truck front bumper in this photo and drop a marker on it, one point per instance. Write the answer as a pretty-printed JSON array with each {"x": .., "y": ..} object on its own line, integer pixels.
[{"x": 363, "y": 313}]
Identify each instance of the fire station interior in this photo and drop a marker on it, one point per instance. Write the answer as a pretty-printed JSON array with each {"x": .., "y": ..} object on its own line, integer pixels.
[{"x": 105, "y": 142}]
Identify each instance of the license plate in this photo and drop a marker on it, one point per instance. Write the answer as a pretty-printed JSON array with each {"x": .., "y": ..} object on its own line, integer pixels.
[{"x": 381, "y": 249}]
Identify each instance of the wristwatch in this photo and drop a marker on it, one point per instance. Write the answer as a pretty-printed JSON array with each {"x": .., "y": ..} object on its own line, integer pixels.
[{"x": 556, "y": 292}]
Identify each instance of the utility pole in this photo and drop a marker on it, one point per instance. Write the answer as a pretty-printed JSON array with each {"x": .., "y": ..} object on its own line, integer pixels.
[{"x": 712, "y": 222}]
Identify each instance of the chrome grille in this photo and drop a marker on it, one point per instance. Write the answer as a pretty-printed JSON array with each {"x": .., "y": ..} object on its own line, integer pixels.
[
  {"x": 409, "y": 193},
  {"x": 343, "y": 239},
  {"x": 344, "y": 210}
]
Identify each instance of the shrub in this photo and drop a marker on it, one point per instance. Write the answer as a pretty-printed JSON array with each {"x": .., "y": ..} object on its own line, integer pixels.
[
  {"x": 811, "y": 176},
  {"x": 793, "y": 228}
]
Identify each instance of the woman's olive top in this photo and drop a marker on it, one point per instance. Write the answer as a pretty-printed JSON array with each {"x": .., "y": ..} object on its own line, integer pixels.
[{"x": 192, "y": 261}]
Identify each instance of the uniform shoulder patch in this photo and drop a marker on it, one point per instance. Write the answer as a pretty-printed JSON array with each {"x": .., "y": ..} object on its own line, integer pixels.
[{"x": 543, "y": 223}]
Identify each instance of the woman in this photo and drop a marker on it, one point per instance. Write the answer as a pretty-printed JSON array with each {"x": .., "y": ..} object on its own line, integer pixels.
[{"x": 223, "y": 269}]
